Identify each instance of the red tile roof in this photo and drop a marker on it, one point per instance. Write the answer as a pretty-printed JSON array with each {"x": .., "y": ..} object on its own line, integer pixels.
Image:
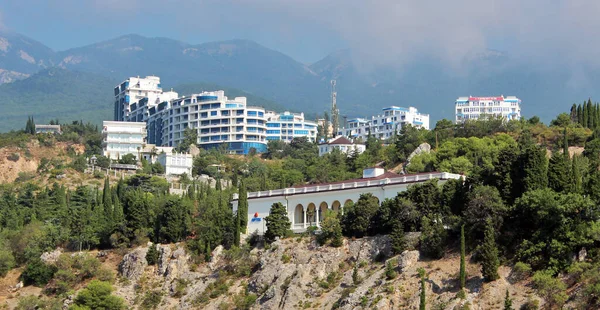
[{"x": 339, "y": 140}]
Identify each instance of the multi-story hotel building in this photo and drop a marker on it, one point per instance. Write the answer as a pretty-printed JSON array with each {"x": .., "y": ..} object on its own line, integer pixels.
[
  {"x": 121, "y": 138},
  {"x": 385, "y": 125},
  {"x": 287, "y": 126},
  {"x": 217, "y": 119},
  {"x": 467, "y": 108}
]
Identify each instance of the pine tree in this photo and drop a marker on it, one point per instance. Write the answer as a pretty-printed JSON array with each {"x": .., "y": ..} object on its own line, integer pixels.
[
  {"x": 152, "y": 255},
  {"x": 278, "y": 223},
  {"x": 489, "y": 254},
  {"x": 507, "y": 302},
  {"x": 397, "y": 237},
  {"x": 463, "y": 273},
  {"x": 243, "y": 206},
  {"x": 422, "y": 303}
]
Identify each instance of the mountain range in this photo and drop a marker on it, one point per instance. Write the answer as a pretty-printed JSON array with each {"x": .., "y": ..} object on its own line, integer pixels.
[{"x": 78, "y": 82}]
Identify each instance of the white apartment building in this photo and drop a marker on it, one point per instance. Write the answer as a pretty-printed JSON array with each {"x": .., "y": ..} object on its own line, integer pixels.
[
  {"x": 343, "y": 144},
  {"x": 134, "y": 96},
  {"x": 217, "y": 119},
  {"x": 121, "y": 138},
  {"x": 287, "y": 126},
  {"x": 385, "y": 125},
  {"x": 508, "y": 107},
  {"x": 176, "y": 163}
]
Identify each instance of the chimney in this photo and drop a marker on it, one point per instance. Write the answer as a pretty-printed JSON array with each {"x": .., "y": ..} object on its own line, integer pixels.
[{"x": 372, "y": 172}]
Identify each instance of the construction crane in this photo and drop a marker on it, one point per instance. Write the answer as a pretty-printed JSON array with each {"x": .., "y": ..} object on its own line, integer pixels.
[{"x": 335, "y": 112}]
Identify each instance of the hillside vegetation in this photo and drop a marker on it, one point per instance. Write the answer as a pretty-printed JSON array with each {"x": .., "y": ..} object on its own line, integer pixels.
[{"x": 520, "y": 217}]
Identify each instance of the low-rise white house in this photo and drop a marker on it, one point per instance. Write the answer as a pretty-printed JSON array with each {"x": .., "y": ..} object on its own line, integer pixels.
[
  {"x": 307, "y": 204},
  {"x": 122, "y": 138},
  {"x": 343, "y": 144},
  {"x": 55, "y": 129},
  {"x": 176, "y": 163}
]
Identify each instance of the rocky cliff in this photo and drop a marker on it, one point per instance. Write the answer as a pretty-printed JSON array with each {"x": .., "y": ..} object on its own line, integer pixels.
[{"x": 299, "y": 274}]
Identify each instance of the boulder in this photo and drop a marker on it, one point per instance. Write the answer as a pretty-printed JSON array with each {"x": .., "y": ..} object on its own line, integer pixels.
[
  {"x": 133, "y": 264},
  {"x": 51, "y": 257},
  {"x": 215, "y": 257},
  {"x": 407, "y": 259}
]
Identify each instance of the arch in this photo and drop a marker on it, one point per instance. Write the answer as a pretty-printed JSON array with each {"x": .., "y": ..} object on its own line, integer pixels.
[
  {"x": 348, "y": 202},
  {"x": 299, "y": 214},
  {"x": 322, "y": 210},
  {"x": 311, "y": 214},
  {"x": 336, "y": 206}
]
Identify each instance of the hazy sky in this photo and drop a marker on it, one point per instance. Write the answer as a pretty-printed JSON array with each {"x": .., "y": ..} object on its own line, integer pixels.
[{"x": 388, "y": 31}]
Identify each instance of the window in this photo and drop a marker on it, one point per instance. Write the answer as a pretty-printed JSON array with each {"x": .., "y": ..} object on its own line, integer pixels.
[
  {"x": 203, "y": 114},
  {"x": 252, "y": 113},
  {"x": 213, "y": 113}
]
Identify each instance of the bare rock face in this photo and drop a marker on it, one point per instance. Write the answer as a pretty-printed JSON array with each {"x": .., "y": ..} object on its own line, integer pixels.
[
  {"x": 133, "y": 264},
  {"x": 407, "y": 259},
  {"x": 51, "y": 257},
  {"x": 215, "y": 257},
  {"x": 370, "y": 248},
  {"x": 422, "y": 148},
  {"x": 164, "y": 255}
]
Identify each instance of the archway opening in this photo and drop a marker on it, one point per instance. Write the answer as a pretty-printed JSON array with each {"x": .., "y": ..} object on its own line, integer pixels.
[
  {"x": 299, "y": 215},
  {"x": 322, "y": 210},
  {"x": 311, "y": 214},
  {"x": 336, "y": 206}
]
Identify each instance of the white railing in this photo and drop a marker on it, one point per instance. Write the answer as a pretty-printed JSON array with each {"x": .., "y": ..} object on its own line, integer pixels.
[{"x": 349, "y": 185}]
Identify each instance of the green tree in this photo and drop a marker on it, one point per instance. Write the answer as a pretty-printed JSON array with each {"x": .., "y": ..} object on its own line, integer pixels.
[
  {"x": 489, "y": 254},
  {"x": 190, "y": 137},
  {"x": 463, "y": 273},
  {"x": 152, "y": 255},
  {"x": 507, "y": 302},
  {"x": 484, "y": 202},
  {"x": 553, "y": 290},
  {"x": 422, "y": 302},
  {"x": 97, "y": 295},
  {"x": 242, "y": 210},
  {"x": 558, "y": 168},
  {"x": 128, "y": 159},
  {"x": 7, "y": 261},
  {"x": 331, "y": 229},
  {"x": 433, "y": 237},
  {"x": 356, "y": 219},
  {"x": 278, "y": 223},
  {"x": 397, "y": 238}
]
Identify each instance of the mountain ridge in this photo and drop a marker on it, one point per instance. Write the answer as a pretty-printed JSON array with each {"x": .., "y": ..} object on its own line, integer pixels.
[{"x": 426, "y": 83}]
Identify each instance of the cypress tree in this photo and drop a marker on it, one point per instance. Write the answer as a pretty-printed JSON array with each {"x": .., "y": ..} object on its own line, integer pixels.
[
  {"x": 463, "y": 273},
  {"x": 278, "y": 223},
  {"x": 489, "y": 254},
  {"x": 243, "y": 206},
  {"x": 573, "y": 113},
  {"x": 558, "y": 168},
  {"x": 576, "y": 176},
  {"x": 584, "y": 116},
  {"x": 218, "y": 185},
  {"x": 236, "y": 236},
  {"x": 565, "y": 144},
  {"x": 590, "y": 114},
  {"x": 118, "y": 217},
  {"x": 507, "y": 302},
  {"x": 579, "y": 115},
  {"x": 107, "y": 201},
  {"x": 422, "y": 302}
]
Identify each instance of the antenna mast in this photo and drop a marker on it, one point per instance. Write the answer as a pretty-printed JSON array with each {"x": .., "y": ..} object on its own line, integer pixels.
[{"x": 335, "y": 122}]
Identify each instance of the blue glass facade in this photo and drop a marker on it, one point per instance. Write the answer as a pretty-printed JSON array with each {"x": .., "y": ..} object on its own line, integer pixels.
[{"x": 238, "y": 147}]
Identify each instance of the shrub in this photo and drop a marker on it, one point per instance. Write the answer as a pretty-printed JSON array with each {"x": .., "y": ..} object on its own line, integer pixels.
[
  {"x": 531, "y": 305},
  {"x": 550, "y": 288},
  {"x": 151, "y": 300},
  {"x": 285, "y": 258},
  {"x": 152, "y": 255},
  {"x": 13, "y": 157},
  {"x": 37, "y": 273},
  {"x": 97, "y": 295},
  {"x": 390, "y": 273},
  {"x": 521, "y": 271},
  {"x": 7, "y": 262}
]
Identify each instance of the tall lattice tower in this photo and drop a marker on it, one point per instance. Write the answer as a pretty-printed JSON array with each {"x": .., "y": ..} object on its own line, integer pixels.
[{"x": 335, "y": 113}]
